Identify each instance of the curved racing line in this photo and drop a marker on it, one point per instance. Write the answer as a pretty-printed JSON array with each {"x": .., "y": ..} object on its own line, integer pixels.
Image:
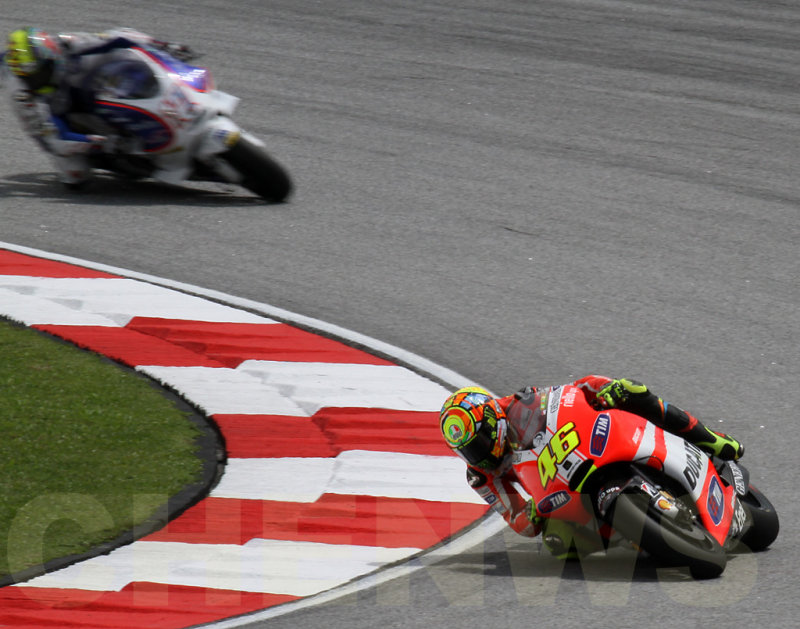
[{"x": 292, "y": 522}]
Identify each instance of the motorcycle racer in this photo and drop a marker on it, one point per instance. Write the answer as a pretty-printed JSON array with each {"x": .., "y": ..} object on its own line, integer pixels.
[
  {"x": 485, "y": 431},
  {"x": 51, "y": 95}
]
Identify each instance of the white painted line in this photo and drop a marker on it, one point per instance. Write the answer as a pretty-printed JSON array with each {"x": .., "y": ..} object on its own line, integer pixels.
[
  {"x": 31, "y": 310},
  {"x": 353, "y": 472},
  {"x": 314, "y": 385},
  {"x": 298, "y": 388},
  {"x": 284, "y": 479},
  {"x": 402, "y": 475},
  {"x": 219, "y": 390},
  {"x": 117, "y": 299},
  {"x": 491, "y": 525},
  {"x": 268, "y": 566}
]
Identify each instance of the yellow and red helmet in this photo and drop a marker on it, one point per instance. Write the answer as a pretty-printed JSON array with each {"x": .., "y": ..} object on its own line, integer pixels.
[{"x": 474, "y": 426}]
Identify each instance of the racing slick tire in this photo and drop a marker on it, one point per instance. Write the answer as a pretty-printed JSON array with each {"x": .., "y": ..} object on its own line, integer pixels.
[{"x": 680, "y": 541}]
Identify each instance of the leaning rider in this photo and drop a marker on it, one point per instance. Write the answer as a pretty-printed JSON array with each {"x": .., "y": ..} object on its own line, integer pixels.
[
  {"x": 484, "y": 431},
  {"x": 50, "y": 72}
]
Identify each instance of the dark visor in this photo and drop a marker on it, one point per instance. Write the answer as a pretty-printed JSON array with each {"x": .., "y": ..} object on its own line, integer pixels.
[{"x": 478, "y": 450}]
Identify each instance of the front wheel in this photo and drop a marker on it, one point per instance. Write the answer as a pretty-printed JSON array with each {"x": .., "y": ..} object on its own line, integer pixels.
[
  {"x": 260, "y": 173},
  {"x": 763, "y": 518},
  {"x": 678, "y": 539}
]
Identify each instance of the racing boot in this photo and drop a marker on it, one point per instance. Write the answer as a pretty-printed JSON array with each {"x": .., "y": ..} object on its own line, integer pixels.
[
  {"x": 715, "y": 443},
  {"x": 633, "y": 396}
]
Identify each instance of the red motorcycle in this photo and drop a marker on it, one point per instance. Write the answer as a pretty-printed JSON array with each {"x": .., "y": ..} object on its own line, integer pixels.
[{"x": 618, "y": 476}]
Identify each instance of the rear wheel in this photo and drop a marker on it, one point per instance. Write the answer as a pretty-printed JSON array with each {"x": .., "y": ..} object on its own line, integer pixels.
[
  {"x": 677, "y": 538},
  {"x": 260, "y": 173}
]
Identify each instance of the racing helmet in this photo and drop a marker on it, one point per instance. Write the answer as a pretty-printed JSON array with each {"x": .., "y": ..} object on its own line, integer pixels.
[
  {"x": 32, "y": 55},
  {"x": 474, "y": 426}
]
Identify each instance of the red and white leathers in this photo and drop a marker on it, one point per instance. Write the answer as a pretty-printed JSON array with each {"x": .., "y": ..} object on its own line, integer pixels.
[
  {"x": 45, "y": 113},
  {"x": 525, "y": 416}
]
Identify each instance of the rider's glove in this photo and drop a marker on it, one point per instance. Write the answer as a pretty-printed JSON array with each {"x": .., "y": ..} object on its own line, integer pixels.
[
  {"x": 528, "y": 394},
  {"x": 617, "y": 392},
  {"x": 530, "y": 511}
]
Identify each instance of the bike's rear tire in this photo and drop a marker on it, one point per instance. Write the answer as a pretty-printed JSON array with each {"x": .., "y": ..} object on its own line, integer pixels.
[
  {"x": 685, "y": 543},
  {"x": 261, "y": 174}
]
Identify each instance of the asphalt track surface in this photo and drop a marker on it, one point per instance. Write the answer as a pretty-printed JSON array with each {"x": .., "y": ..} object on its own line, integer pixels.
[{"x": 519, "y": 191}]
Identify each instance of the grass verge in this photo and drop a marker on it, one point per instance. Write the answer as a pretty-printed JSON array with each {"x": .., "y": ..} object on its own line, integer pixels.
[{"x": 88, "y": 449}]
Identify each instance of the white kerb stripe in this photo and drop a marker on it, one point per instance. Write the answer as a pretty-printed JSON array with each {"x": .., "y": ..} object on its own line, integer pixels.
[
  {"x": 116, "y": 299},
  {"x": 353, "y": 472},
  {"x": 313, "y": 385},
  {"x": 301, "y": 389},
  {"x": 269, "y": 566},
  {"x": 218, "y": 390},
  {"x": 31, "y": 310}
]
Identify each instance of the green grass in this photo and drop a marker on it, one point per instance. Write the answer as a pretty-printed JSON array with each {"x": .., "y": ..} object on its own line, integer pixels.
[{"x": 88, "y": 449}]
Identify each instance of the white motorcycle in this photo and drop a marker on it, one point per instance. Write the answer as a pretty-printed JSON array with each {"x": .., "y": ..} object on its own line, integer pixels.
[{"x": 168, "y": 122}]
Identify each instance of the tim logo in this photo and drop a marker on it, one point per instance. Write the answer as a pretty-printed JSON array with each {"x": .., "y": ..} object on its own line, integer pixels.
[
  {"x": 602, "y": 426},
  {"x": 716, "y": 504},
  {"x": 550, "y": 503}
]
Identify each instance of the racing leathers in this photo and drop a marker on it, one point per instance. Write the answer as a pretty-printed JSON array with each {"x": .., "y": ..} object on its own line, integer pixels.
[
  {"x": 526, "y": 416},
  {"x": 58, "y": 115}
]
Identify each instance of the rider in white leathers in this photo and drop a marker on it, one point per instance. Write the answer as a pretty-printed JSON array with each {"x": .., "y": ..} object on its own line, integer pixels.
[{"x": 50, "y": 96}]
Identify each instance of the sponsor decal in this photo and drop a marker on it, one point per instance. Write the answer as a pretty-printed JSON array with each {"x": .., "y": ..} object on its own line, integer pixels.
[
  {"x": 694, "y": 464},
  {"x": 178, "y": 107},
  {"x": 600, "y": 432},
  {"x": 568, "y": 399},
  {"x": 738, "y": 479},
  {"x": 715, "y": 503},
  {"x": 648, "y": 488},
  {"x": 553, "y": 402},
  {"x": 605, "y": 498},
  {"x": 550, "y": 503},
  {"x": 228, "y": 138},
  {"x": 739, "y": 518}
]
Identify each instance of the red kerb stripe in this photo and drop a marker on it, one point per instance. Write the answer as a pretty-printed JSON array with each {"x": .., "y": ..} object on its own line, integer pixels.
[
  {"x": 332, "y": 430},
  {"x": 12, "y": 263},
  {"x": 138, "y": 605},
  {"x": 233, "y": 343},
  {"x": 333, "y": 519},
  {"x": 128, "y": 346}
]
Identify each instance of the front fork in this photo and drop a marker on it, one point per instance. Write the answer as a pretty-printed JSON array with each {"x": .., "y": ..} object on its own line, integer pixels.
[{"x": 222, "y": 135}]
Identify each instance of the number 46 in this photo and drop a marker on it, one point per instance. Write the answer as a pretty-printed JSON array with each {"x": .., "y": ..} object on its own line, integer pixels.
[{"x": 557, "y": 449}]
